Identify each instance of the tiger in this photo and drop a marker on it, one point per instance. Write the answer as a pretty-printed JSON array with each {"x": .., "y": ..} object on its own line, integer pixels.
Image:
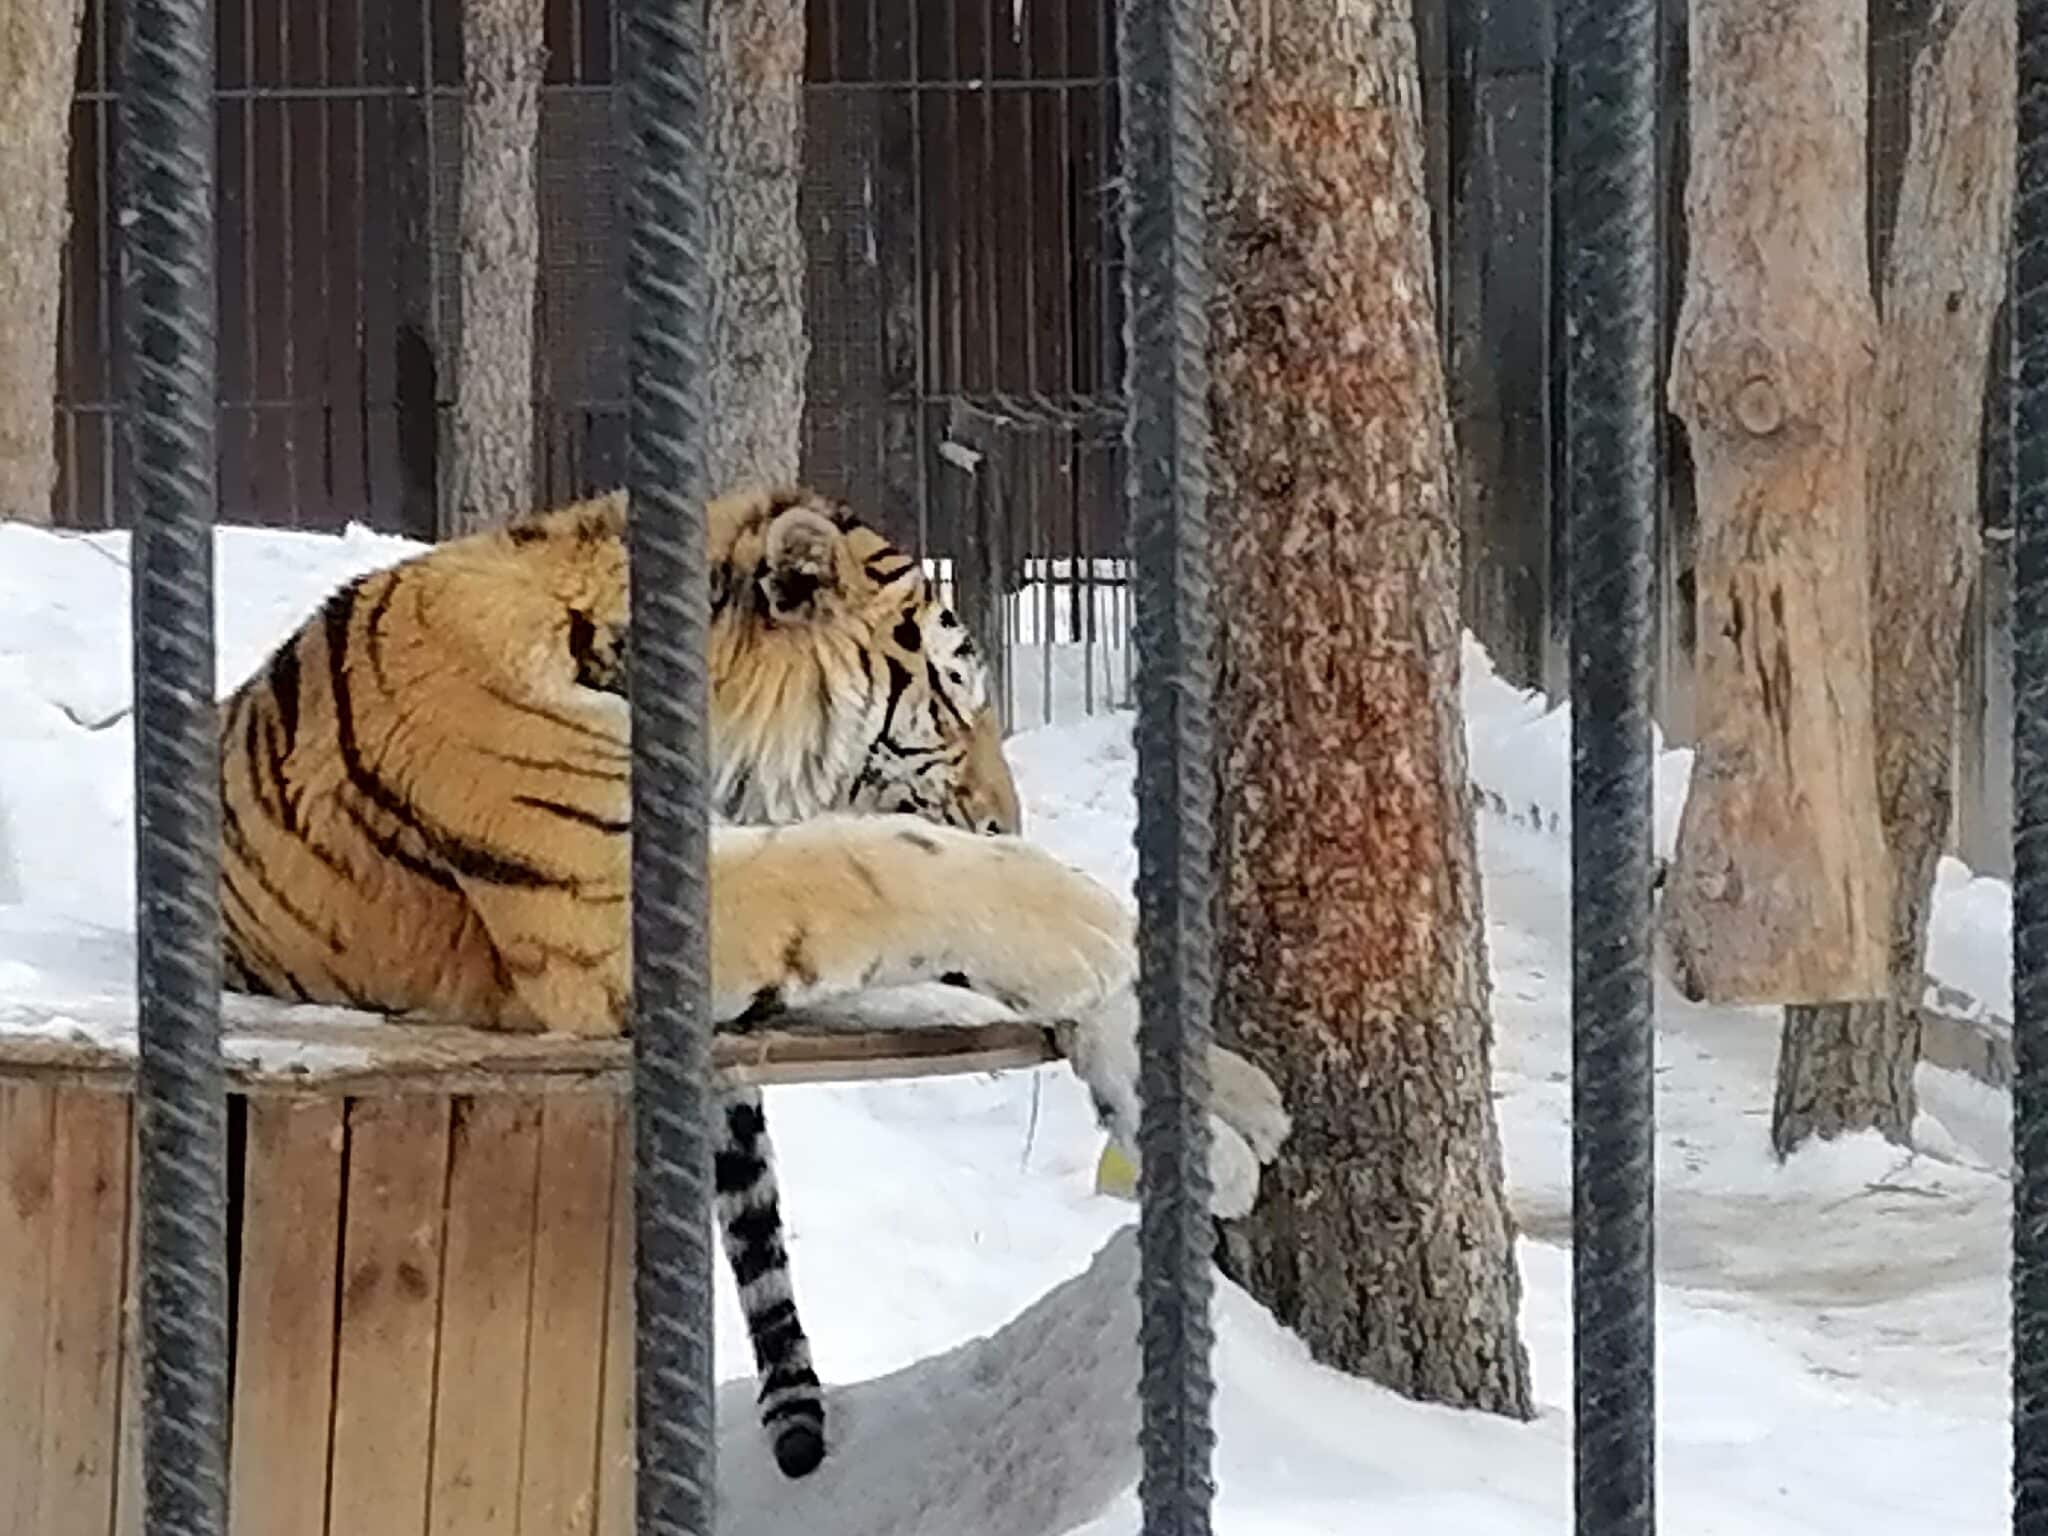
[{"x": 426, "y": 813}]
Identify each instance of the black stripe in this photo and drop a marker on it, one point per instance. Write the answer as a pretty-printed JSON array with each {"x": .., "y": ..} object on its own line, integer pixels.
[
  {"x": 274, "y": 760},
  {"x": 940, "y": 696},
  {"x": 373, "y": 624},
  {"x": 393, "y": 849},
  {"x": 541, "y": 712},
  {"x": 777, "y": 1334},
  {"x": 754, "y": 1224},
  {"x": 285, "y": 814},
  {"x": 899, "y": 684},
  {"x": 254, "y": 953},
  {"x": 887, "y": 578},
  {"x": 283, "y": 678},
  {"x": 789, "y": 1377},
  {"x": 582, "y": 959},
  {"x": 237, "y": 843},
  {"x": 805, "y": 1407},
  {"x": 252, "y": 754},
  {"x": 473, "y": 860},
  {"x": 576, "y": 814},
  {"x": 777, "y": 1316},
  {"x": 745, "y": 1122},
  {"x": 551, "y": 765},
  {"x": 234, "y": 977},
  {"x": 765, "y": 1004},
  {"x": 734, "y": 1173},
  {"x": 754, "y": 1243}
]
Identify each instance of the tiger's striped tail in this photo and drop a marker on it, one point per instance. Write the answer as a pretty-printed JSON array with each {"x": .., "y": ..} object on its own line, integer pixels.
[{"x": 750, "y": 1224}]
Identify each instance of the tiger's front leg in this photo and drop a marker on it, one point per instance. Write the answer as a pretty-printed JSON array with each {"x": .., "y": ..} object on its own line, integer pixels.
[
  {"x": 822, "y": 910},
  {"x": 842, "y": 904}
]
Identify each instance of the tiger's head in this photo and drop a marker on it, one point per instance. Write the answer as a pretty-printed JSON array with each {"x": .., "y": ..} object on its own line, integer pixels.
[{"x": 839, "y": 678}]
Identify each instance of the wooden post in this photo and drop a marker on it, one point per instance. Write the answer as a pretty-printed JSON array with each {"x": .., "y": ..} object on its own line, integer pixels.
[{"x": 1781, "y": 885}]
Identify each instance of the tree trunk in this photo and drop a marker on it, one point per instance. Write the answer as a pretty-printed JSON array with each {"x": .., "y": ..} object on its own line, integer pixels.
[
  {"x": 758, "y": 349},
  {"x": 500, "y": 261},
  {"x": 1849, "y": 1066},
  {"x": 1352, "y": 958},
  {"x": 38, "y": 63},
  {"x": 1780, "y": 887}
]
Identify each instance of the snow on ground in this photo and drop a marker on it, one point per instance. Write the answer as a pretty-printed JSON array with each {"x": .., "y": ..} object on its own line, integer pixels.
[{"x": 1833, "y": 1333}]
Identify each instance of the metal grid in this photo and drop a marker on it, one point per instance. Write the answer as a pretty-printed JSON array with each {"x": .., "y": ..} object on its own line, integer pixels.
[
  {"x": 963, "y": 278},
  {"x": 166, "y": 318}
]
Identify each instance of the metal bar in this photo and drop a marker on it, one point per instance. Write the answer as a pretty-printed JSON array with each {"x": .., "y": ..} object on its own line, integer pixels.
[
  {"x": 2029, "y": 490},
  {"x": 168, "y": 319},
  {"x": 1613, "y": 305},
  {"x": 1164, "y": 81},
  {"x": 668, "y": 295}
]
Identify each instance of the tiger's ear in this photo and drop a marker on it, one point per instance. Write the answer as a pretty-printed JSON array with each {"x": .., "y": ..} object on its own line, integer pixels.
[{"x": 800, "y": 566}]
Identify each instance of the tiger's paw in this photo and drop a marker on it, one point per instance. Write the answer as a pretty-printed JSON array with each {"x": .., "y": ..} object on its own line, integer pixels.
[
  {"x": 1248, "y": 1122},
  {"x": 1039, "y": 936}
]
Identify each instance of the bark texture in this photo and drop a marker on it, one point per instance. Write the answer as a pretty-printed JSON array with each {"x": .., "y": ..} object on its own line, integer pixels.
[
  {"x": 759, "y": 349},
  {"x": 1849, "y": 1066},
  {"x": 1352, "y": 961},
  {"x": 1780, "y": 887},
  {"x": 500, "y": 261},
  {"x": 38, "y": 63}
]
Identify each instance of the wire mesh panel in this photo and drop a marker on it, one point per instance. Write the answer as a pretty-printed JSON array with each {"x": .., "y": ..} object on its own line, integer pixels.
[
  {"x": 1611, "y": 424},
  {"x": 167, "y": 317}
]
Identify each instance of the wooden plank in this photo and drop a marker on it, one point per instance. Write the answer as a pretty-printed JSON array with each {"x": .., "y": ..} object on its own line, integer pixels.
[
  {"x": 486, "y": 1291},
  {"x": 397, "y": 1169},
  {"x": 128, "y": 1468},
  {"x": 615, "y": 1460},
  {"x": 27, "y": 1148},
  {"x": 284, "y": 1366},
  {"x": 81, "y": 1367},
  {"x": 271, "y": 1048},
  {"x": 565, "y": 1361}
]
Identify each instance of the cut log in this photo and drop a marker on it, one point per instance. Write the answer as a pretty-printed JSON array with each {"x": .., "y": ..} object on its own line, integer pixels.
[{"x": 1780, "y": 890}]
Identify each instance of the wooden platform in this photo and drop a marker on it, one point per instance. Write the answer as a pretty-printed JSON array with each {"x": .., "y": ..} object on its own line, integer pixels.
[
  {"x": 431, "y": 1259},
  {"x": 272, "y": 1048}
]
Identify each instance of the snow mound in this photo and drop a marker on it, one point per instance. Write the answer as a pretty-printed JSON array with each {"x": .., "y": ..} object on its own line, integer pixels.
[{"x": 1023, "y": 1431}]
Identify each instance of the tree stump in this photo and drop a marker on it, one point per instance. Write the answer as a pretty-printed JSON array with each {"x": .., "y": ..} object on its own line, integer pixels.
[{"x": 1781, "y": 886}]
